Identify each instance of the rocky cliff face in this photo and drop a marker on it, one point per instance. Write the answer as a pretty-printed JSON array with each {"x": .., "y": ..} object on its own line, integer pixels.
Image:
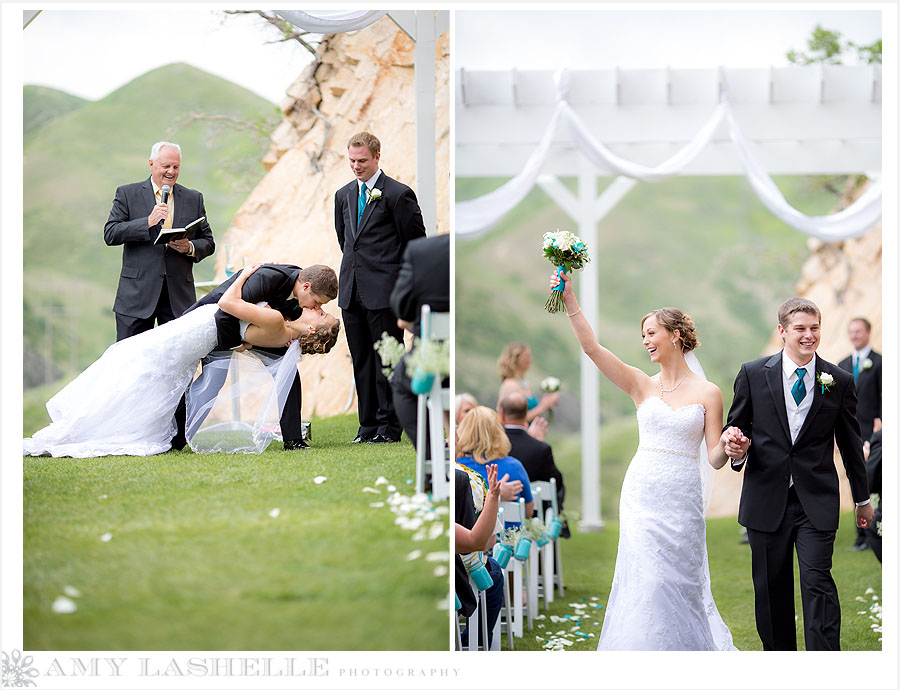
[
  {"x": 844, "y": 280},
  {"x": 360, "y": 81}
]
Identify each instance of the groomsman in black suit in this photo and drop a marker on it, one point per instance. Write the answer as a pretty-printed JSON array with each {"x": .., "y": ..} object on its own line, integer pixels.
[
  {"x": 289, "y": 289},
  {"x": 865, "y": 365},
  {"x": 788, "y": 411},
  {"x": 535, "y": 455},
  {"x": 424, "y": 279},
  {"x": 374, "y": 217},
  {"x": 157, "y": 282}
]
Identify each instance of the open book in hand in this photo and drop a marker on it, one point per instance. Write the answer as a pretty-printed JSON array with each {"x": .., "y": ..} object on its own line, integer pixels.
[{"x": 166, "y": 236}]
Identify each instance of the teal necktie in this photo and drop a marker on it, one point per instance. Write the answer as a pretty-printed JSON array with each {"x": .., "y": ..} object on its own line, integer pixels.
[
  {"x": 799, "y": 389},
  {"x": 363, "y": 192},
  {"x": 855, "y": 368}
]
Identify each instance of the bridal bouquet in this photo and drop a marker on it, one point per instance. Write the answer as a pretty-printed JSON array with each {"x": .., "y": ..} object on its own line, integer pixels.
[{"x": 567, "y": 252}]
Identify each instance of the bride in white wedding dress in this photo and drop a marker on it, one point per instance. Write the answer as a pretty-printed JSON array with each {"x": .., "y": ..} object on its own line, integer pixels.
[
  {"x": 124, "y": 403},
  {"x": 660, "y": 597}
]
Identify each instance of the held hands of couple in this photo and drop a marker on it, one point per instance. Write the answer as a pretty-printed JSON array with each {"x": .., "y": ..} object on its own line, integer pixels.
[
  {"x": 736, "y": 444},
  {"x": 864, "y": 515}
]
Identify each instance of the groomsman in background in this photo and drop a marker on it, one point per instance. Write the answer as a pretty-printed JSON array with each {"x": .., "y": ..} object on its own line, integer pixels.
[
  {"x": 865, "y": 365},
  {"x": 374, "y": 218}
]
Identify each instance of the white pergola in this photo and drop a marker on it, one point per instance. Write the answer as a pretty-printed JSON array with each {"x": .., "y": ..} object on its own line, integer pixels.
[{"x": 796, "y": 120}]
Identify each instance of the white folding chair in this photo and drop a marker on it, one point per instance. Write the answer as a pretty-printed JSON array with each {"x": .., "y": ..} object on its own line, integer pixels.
[
  {"x": 505, "y": 619},
  {"x": 433, "y": 326},
  {"x": 479, "y": 614},
  {"x": 514, "y": 511},
  {"x": 548, "y": 493}
]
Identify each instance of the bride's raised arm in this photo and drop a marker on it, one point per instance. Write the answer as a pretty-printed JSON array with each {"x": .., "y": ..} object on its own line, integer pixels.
[
  {"x": 630, "y": 379},
  {"x": 232, "y": 303}
]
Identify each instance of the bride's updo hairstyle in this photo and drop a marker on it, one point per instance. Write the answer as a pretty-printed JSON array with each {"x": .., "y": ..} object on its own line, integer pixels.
[
  {"x": 675, "y": 320},
  {"x": 321, "y": 340}
]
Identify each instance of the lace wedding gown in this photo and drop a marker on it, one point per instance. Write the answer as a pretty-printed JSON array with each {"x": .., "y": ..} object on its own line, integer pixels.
[
  {"x": 660, "y": 597},
  {"x": 124, "y": 403}
]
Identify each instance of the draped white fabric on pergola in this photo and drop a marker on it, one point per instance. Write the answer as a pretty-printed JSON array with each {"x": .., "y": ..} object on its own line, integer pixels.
[{"x": 652, "y": 124}]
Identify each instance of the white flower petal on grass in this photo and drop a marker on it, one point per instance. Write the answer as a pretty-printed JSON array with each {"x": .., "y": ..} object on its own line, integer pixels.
[
  {"x": 435, "y": 530},
  {"x": 413, "y": 555},
  {"x": 275, "y": 512},
  {"x": 319, "y": 479},
  {"x": 380, "y": 481},
  {"x": 370, "y": 490},
  {"x": 102, "y": 496},
  {"x": 64, "y": 605},
  {"x": 391, "y": 488},
  {"x": 106, "y": 537},
  {"x": 438, "y": 556},
  {"x": 377, "y": 504},
  {"x": 70, "y": 591},
  {"x": 441, "y": 571}
]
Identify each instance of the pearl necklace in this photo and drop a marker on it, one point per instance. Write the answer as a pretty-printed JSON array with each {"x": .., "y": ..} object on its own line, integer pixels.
[{"x": 669, "y": 390}]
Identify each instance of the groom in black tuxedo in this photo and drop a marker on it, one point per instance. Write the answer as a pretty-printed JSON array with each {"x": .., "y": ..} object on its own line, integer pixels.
[
  {"x": 788, "y": 411},
  {"x": 374, "y": 217},
  {"x": 290, "y": 290}
]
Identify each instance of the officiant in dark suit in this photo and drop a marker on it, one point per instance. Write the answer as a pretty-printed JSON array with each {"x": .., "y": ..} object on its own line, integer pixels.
[
  {"x": 374, "y": 218},
  {"x": 156, "y": 283},
  {"x": 865, "y": 365},
  {"x": 788, "y": 412}
]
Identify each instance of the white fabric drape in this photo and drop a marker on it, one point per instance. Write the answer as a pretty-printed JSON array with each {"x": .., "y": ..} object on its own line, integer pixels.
[
  {"x": 478, "y": 215},
  {"x": 331, "y": 21}
]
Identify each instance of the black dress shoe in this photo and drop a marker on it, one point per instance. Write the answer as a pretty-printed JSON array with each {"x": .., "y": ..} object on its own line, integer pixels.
[
  {"x": 381, "y": 438},
  {"x": 299, "y": 444},
  {"x": 362, "y": 439}
]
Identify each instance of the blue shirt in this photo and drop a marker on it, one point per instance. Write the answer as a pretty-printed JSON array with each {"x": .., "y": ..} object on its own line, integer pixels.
[{"x": 508, "y": 465}]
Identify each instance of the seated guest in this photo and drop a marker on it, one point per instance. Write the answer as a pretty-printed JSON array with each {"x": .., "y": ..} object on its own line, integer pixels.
[
  {"x": 536, "y": 456},
  {"x": 485, "y": 501},
  {"x": 465, "y": 402},
  {"x": 514, "y": 362},
  {"x": 481, "y": 440}
]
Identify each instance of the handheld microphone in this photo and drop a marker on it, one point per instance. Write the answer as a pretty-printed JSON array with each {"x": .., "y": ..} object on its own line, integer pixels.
[{"x": 165, "y": 193}]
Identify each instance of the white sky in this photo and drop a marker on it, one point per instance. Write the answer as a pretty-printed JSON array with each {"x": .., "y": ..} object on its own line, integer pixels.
[
  {"x": 647, "y": 38},
  {"x": 90, "y": 53}
]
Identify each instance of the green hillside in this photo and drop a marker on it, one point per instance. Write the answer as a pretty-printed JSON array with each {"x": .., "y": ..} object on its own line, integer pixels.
[
  {"x": 42, "y": 104},
  {"x": 72, "y": 166},
  {"x": 704, "y": 245}
]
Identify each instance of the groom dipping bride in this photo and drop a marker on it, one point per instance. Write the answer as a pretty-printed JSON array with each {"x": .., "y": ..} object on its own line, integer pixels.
[{"x": 124, "y": 403}]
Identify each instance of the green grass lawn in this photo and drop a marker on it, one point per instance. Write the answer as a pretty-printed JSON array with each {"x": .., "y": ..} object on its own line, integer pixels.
[
  {"x": 589, "y": 560},
  {"x": 196, "y": 562}
]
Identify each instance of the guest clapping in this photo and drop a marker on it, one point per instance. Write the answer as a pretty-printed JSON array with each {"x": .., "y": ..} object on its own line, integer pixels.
[{"x": 482, "y": 440}]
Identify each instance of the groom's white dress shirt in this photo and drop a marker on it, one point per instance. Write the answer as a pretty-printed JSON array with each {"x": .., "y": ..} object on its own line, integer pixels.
[{"x": 797, "y": 413}]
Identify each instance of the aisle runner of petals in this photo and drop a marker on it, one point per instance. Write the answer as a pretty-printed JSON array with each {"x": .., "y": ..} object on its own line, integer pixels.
[
  {"x": 565, "y": 631},
  {"x": 873, "y": 612},
  {"x": 425, "y": 519}
]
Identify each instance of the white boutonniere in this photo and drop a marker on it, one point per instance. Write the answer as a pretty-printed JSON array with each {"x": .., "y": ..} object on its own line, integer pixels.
[
  {"x": 825, "y": 381},
  {"x": 866, "y": 364},
  {"x": 374, "y": 195}
]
